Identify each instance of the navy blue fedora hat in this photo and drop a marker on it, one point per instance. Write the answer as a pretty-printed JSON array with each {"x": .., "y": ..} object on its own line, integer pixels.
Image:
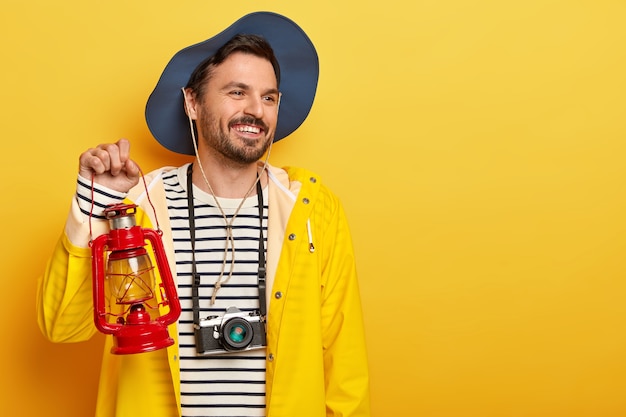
[{"x": 299, "y": 72}]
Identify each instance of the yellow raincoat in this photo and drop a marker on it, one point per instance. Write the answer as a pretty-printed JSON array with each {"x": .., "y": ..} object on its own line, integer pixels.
[{"x": 316, "y": 358}]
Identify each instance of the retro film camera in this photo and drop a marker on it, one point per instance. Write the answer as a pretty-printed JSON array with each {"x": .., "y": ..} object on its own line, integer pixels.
[{"x": 235, "y": 330}]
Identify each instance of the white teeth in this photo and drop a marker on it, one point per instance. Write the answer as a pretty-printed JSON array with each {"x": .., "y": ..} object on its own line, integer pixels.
[{"x": 248, "y": 129}]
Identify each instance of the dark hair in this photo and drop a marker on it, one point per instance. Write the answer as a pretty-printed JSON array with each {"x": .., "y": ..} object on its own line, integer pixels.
[{"x": 248, "y": 44}]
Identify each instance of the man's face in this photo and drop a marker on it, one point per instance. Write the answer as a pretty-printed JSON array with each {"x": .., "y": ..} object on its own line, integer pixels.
[{"x": 238, "y": 113}]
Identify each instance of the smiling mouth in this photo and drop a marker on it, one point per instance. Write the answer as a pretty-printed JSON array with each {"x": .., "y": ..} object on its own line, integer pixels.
[
  {"x": 248, "y": 126},
  {"x": 248, "y": 129}
]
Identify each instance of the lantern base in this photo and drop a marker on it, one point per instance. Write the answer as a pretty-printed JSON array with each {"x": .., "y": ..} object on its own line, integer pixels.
[{"x": 141, "y": 338}]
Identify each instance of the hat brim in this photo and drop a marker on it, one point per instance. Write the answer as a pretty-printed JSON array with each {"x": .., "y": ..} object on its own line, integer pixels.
[{"x": 299, "y": 68}]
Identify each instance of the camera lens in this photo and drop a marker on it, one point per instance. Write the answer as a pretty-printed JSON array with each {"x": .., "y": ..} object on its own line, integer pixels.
[{"x": 236, "y": 334}]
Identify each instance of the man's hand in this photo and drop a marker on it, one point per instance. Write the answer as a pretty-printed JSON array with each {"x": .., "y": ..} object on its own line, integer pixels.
[{"x": 110, "y": 165}]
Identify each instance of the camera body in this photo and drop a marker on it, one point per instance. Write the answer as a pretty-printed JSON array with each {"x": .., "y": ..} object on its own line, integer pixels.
[{"x": 235, "y": 330}]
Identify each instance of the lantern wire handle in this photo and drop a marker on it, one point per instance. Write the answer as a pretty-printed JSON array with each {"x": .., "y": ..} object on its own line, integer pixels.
[{"x": 156, "y": 219}]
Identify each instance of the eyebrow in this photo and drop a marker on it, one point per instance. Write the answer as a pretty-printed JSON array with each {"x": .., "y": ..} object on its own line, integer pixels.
[{"x": 243, "y": 86}]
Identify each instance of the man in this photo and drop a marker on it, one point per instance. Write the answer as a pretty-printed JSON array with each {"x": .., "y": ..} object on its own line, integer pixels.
[{"x": 225, "y": 218}]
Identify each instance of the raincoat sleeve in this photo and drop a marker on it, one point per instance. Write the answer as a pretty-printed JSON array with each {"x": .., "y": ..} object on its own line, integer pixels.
[
  {"x": 345, "y": 358},
  {"x": 64, "y": 297}
]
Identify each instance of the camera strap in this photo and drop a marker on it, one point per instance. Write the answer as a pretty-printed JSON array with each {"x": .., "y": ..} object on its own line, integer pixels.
[{"x": 194, "y": 272}]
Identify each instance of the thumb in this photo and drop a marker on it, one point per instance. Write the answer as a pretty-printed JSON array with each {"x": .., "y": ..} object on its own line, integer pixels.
[{"x": 132, "y": 170}]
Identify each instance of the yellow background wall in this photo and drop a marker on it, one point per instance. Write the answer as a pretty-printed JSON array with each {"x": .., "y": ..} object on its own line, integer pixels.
[{"x": 478, "y": 147}]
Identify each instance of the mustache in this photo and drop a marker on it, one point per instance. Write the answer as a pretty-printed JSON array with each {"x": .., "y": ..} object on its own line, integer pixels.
[{"x": 249, "y": 120}]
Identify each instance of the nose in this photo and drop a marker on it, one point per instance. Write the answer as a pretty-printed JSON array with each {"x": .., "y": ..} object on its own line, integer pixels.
[{"x": 254, "y": 107}]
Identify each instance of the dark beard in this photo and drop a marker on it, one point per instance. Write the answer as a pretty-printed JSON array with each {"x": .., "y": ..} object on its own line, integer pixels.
[{"x": 217, "y": 139}]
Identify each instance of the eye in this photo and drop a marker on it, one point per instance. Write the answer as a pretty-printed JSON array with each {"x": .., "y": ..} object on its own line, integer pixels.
[
  {"x": 270, "y": 98},
  {"x": 236, "y": 93}
]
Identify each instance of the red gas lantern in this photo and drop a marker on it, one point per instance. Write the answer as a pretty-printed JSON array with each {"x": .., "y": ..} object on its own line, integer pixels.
[{"x": 126, "y": 304}]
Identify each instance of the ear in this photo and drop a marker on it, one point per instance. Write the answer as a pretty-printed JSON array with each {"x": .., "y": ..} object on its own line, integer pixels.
[{"x": 190, "y": 103}]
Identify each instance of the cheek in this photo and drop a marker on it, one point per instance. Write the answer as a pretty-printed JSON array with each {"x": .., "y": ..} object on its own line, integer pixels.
[{"x": 272, "y": 118}]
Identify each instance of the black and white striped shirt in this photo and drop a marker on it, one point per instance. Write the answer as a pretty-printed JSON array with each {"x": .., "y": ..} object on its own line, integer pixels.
[{"x": 229, "y": 384}]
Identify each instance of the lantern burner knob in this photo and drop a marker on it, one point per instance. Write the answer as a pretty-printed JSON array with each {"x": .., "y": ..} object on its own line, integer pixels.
[{"x": 138, "y": 315}]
